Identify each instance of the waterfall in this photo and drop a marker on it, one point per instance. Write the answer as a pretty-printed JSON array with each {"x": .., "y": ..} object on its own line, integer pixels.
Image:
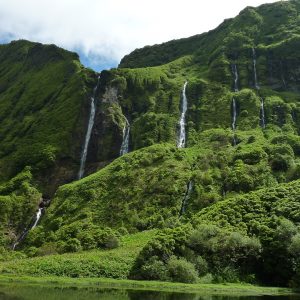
[
  {"x": 233, "y": 103},
  {"x": 88, "y": 132},
  {"x": 234, "y": 114},
  {"x": 37, "y": 218},
  {"x": 233, "y": 125},
  {"x": 181, "y": 140},
  {"x": 26, "y": 231},
  {"x": 262, "y": 114},
  {"x": 20, "y": 239},
  {"x": 254, "y": 69},
  {"x": 125, "y": 143},
  {"x": 186, "y": 197},
  {"x": 236, "y": 77},
  {"x": 256, "y": 85}
]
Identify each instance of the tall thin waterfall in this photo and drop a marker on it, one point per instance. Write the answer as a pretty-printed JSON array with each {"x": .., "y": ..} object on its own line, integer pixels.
[
  {"x": 233, "y": 125},
  {"x": 88, "y": 132},
  {"x": 233, "y": 104},
  {"x": 234, "y": 114},
  {"x": 236, "y": 77},
  {"x": 256, "y": 85},
  {"x": 186, "y": 197},
  {"x": 262, "y": 114},
  {"x": 37, "y": 218},
  {"x": 181, "y": 140},
  {"x": 26, "y": 230},
  {"x": 126, "y": 133},
  {"x": 254, "y": 69}
]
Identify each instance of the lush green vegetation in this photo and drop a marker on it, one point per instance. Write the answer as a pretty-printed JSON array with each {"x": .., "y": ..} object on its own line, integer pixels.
[
  {"x": 42, "y": 92},
  {"x": 240, "y": 221},
  {"x": 110, "y": 263},
  {"x": 18, "y": 202},
  {"x": 251, "y": 237}
]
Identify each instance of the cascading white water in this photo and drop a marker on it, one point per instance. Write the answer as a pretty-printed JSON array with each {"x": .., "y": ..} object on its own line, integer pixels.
[
  {"x": 262, "y": 107},
  {"x": 233, "y": 104},
  {"x": 88, "y": 132},
  {"x": 20, "y": 239},
  {"x": 254, "y": 69},
  {"x": 125, "y": 143},
  {"x": 236, "y": 77},
  {"x": 234, "y": 114},
  {"x": 181, "y": 140},
  {"x": 186, "y": 197},
  {"x": 38, "y": 216},
  {"x": 262, "y": 113},
  {"x": 26, "y": 231},
  {"x": 233, "y": 125}
]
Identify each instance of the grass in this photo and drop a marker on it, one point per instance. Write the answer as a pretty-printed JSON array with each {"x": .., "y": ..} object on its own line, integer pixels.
[
  {"x": 115, "y": 263},
  {"x": 211, "y": 289}
]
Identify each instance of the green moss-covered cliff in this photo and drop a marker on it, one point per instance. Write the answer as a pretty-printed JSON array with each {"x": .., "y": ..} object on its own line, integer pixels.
[{"x": 240, "y": 183}]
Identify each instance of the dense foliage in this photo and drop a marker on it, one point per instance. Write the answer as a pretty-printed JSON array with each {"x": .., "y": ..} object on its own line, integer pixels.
[
  {"x": 225, "y": 209},
  {"x": 42, "y": 92},
  {"x": 18, "y": 201},
  {"x": 252, "y": 238}
]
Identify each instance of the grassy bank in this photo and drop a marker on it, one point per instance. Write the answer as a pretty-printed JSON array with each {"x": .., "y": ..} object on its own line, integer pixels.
[
  {"x": 115, "y": 263},
  {"x": 211, "y": 289}
]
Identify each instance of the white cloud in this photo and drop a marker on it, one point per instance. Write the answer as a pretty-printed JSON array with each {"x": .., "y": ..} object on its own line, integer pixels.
[{"x": 112, "y": 28}]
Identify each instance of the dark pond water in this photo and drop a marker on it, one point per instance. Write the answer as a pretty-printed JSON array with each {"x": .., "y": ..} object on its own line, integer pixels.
[{"x": 37, "y": 292}]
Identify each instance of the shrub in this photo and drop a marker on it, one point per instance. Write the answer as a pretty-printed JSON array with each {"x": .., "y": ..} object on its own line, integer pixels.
[
  {"x": 180, "y": 270},
  {"x": 227, "y": 274},
  {"x": 294, "y": 250},
  {"x": 280, "y": 162},
  {"x": 87, "y": 240},
  {"x": 107, "y": 238},
  {"x": 72, "y": 245},
  {"x": 208, "y": 278},
  {"x": 222, "y": 248},
  {"x": 48, "y": 249},
  {"x": 154, "y": 269},
  {"x": 112, "y": 242},
  {"x": 278, "y": 262},
  {"x": 31, "y": 251},
  {"x": 294, "y": 172},
  {"x": 294, "y": 247},
  {"x": 201, "y": 265}
]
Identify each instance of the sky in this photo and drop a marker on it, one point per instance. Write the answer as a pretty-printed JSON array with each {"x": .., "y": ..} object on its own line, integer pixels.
[{"x": 103, "y": 31}]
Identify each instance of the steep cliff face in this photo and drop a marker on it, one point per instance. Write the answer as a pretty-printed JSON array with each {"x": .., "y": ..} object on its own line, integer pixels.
[
  {"x": 44, "y": 92},
  {"x": 251, "y": 59},
  {"x": 272, "y": 31}
]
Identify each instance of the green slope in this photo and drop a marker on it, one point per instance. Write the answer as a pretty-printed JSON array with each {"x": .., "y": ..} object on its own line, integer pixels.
[
  {"x": 243, "y": 198},
  {"x": 42, "y": 102},
  {"x": 115, "y": 263}
]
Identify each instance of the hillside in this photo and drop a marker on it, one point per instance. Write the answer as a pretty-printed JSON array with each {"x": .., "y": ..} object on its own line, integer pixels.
[
  {"x": 197, "y": 138},
  {"x": 43, "y": 94}
]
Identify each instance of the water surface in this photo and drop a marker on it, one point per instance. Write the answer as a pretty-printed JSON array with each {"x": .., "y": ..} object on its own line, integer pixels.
[{"x": 15, "y": 291}]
